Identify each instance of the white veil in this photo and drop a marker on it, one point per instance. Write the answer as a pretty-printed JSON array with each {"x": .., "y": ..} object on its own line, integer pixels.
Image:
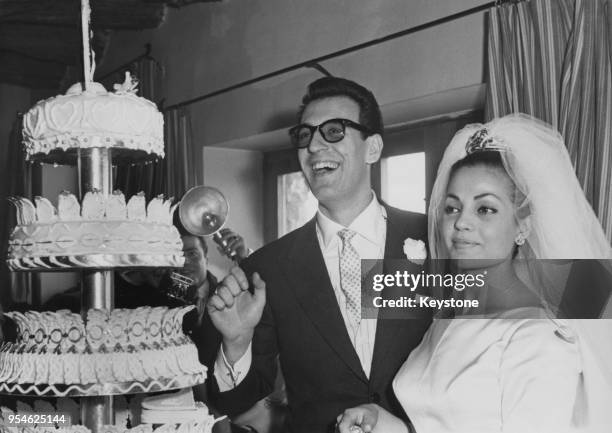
[{"x": 563, "y": 226}]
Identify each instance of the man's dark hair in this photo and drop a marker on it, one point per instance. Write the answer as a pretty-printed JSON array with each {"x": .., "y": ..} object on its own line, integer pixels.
[
  {"x": 183, "y": 232},
  {"x": 329, "y": 87}
]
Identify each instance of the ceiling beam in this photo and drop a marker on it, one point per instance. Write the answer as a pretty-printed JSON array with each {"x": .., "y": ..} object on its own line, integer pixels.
[
  {"x": 30, "y": 72},
  {"x": 39, "y": 39},
  {"x": 53, "y": 44},
  {"x": 105, "y": 14}
]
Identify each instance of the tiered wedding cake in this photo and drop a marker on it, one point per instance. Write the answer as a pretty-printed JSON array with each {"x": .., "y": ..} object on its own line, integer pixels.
[{"x": 102, "y": 352}]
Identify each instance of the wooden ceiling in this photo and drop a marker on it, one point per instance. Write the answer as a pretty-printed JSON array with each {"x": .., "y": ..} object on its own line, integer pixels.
[{"x": 41, "y": 39}]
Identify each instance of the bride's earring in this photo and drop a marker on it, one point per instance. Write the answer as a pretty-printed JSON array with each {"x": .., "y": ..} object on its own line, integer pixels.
[{"x": 520, "y": 239}]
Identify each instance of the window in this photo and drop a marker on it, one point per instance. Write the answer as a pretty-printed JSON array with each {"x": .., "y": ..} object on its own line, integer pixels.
[
  {"x": 296, "y": 204},
  {"x": 403, "y": 181}
]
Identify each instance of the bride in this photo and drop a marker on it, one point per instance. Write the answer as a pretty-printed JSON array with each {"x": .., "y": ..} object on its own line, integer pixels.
[{"x": 506, "y": 195}]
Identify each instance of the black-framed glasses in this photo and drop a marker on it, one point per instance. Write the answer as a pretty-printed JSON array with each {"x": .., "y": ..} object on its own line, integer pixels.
[{"x": 332, "y": 131}]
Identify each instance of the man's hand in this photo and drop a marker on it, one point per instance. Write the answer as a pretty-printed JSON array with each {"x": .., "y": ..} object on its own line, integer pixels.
[
  {"x": 235, "y": 311},
  {"x": 232, "y": 244},
  {"x": 358, "y": 419},
  {"x": 370, "y": 418}
]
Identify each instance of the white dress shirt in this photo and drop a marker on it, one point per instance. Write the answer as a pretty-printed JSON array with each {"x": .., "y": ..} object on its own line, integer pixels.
[{"x": 371, "y": 228}]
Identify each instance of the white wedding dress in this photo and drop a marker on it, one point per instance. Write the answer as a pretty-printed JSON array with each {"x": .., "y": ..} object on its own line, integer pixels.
[{"x": 517, "y": 371}]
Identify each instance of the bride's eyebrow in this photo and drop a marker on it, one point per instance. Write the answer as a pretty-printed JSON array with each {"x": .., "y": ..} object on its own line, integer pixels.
[{"x": 485, "y": 194}]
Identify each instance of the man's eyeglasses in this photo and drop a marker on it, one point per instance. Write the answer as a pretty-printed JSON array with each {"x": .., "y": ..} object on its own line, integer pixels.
[{"x": 332, "y": 131}]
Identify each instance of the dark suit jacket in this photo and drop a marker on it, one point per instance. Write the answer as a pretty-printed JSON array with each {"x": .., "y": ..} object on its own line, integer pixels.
[{"x": 302, "y": 324}]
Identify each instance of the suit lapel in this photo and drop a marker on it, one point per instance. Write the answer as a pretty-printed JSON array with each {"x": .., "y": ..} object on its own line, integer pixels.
[
  {"x": 310, "y": 281},
  {"x": 388, "y": 332},
  {"x": 396, "y": 233}
]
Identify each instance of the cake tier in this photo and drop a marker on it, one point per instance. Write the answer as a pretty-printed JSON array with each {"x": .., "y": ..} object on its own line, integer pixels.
[
  {"x": 173, "y": 408},
  {"x": 104, "y": 232},
  {"x": 99, "y": 244},
  {"x": 94, "y": 118},
  {"x": 121, "y": 351},
  {"x": 203, "y": 425},
  {"x": 188, "y": 427},
  {"x": 95, "y": 261},
  {"x": 126, "y": 411},
  {"x": 103, "y": 389}
]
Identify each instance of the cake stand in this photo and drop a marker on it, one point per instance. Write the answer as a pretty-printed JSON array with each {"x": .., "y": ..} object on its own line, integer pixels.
[
  {"x": 97, "y": 292},
  {"x": 94, "y": 167}
]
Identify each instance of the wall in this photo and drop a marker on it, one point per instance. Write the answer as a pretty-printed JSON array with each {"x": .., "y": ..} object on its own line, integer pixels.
[
  {"x": 238, "y": 175},
  {"x": 12, "y": 100},
  {"x": 205, "y": 47},
  {"x": 209, "y": 46}
]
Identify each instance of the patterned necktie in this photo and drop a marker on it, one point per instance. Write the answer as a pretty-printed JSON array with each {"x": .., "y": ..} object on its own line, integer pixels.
[{"x": 350, "y": 274}]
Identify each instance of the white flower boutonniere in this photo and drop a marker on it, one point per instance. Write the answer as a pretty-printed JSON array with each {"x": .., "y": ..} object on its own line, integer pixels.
[{"x": 415, "y": 251}]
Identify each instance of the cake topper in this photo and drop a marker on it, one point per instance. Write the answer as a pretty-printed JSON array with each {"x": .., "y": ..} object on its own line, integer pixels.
[{"x": 129, "y": 85}]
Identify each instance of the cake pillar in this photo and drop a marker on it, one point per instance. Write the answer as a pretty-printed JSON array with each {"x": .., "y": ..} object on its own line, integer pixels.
[
  {"x": 95, "y": 170},
  {"x": 97, "y": 291},
  {"x": 97, "y": 412},
  {"x": 97, "y": 288}
]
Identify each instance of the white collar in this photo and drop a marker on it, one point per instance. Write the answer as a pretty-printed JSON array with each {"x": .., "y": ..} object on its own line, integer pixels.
[{"x": 365, "y": 224}]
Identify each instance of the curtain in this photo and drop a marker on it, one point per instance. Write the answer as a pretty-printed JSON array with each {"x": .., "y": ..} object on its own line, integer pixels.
[
  {"x": 183, "y": 159},
  {"x": 14, "y": 286},
  {"x": 552, "y": 59}
]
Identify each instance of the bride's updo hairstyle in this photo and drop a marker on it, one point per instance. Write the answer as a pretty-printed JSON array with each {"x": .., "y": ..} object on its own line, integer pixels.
[{"x": 489, "y": 158}]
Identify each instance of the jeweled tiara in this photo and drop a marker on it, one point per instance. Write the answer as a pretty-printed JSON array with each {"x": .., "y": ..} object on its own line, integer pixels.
[{"x": 482, "y": 140}]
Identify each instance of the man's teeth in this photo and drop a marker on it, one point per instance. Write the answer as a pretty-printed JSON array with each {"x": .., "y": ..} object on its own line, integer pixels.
[{"x": 325, "y": 165}]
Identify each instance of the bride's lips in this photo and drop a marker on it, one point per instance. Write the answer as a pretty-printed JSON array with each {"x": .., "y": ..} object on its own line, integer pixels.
[{"x": 463, "y": 243}]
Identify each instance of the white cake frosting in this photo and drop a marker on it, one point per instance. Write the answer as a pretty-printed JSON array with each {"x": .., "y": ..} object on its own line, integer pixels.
[
  {"x": 174, "y": 408},
  {"x": 104, "y": 232},
  {"x": 204, "y": 426},
  {"x": 94, "y": 118},
  {"x": 188, "y": 427},
  {"x": 115, "y": 346}
]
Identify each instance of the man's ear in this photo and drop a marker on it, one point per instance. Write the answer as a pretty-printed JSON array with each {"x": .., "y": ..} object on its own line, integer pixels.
[{"x": 374, "y": 149}]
